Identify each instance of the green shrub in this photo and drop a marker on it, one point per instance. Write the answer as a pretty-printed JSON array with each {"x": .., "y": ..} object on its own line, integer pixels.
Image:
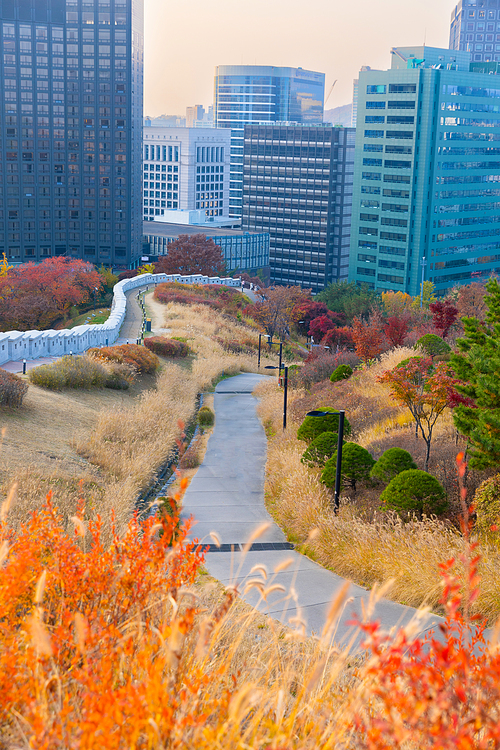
[
  {"x": 414, "y": 491},
  {"x": 355, "y": 467},
  {"x": 487, "y": 505},
  {"x": 341, "y": 373},
  {"x": 12, "y": 389},
  {"x": 311, "y": 427},
  {"x": 391, "y": 463},
  {"x": 321, "y": 449},
  {"x": 165, "y": 347},
  {"x": 206, "y": 417},
  {"x": 433, "y": 345},
  {"x": 139, "y": 357},
  {"x": 70, "y": 372}
]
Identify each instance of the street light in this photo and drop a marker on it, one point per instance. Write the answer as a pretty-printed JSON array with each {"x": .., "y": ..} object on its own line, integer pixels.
[
  {"x": 95, "y": 292},
  {"x": 422, "y": 263},
  {"x": 270, "y": 342},
  {"x": 340, "y": 442},
  {"x": 285, "y": 389}
]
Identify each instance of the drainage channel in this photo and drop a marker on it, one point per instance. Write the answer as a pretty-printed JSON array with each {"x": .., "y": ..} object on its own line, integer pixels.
[{"x": 256, "y": 547}]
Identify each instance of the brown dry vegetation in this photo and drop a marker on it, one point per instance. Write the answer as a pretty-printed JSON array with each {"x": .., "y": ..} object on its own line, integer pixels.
[
  {"x": 362, "y": 542},
  {"x": 107, "y": 446}
]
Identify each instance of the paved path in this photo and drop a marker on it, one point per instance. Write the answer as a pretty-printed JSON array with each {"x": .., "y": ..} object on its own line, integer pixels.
[{"x": 226, "y": 496}]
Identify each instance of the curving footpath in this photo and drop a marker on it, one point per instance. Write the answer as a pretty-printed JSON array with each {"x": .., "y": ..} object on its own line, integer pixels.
[{"x": 226, "y": 496}]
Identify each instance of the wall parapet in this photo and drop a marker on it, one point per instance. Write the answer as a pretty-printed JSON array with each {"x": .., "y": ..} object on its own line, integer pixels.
[{"x": 15, "y": 345}]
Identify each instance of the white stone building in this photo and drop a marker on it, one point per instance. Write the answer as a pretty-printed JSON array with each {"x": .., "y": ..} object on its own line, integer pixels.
[{"x": 186, "y": 169}]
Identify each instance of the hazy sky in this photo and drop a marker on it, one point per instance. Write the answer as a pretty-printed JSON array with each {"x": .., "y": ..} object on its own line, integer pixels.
[{"x": 186, "y": 39}]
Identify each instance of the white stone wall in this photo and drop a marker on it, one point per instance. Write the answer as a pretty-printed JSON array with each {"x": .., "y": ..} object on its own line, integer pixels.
[{"x": 15, "y": 345}]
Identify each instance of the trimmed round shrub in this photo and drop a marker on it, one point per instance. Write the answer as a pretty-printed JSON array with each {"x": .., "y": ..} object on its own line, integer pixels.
[
  {"x": 342, "y": 372},
  {"x": 433, "y": 345},
  {"x": 321, "y": 449},
  {"x": 487, "y": 505},
  {"x": 12, "y": 389},
  {"x": 311, "y": 427},
  {"x": 356, "y": 465},
  {"x": 165, "y": 347},
  {"x": 414, "y": 491},
  {"x": 206, "y": 417},
  {"x": 391, "y": 463}
]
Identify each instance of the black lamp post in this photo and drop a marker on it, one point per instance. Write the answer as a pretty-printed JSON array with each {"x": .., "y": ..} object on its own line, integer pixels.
[
  {"x": 285, "y": 389},
  {"x": 340, "y": 442},
  {"x": 270, "y": 342}
]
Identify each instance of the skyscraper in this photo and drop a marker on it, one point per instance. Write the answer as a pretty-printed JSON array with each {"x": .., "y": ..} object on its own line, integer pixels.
[
  {"x": 475, "y": 28},
  {"x": 426, "y": 196},
  {"x": 71, "y": 80},
  {"x": 298, "y": 187},
  {"x": 256, "y": 93}
]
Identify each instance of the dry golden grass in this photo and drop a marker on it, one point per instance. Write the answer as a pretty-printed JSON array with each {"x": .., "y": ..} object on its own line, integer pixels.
[
  {"x": 115, "y": 442},
  {"x": 361, "y": 542}
]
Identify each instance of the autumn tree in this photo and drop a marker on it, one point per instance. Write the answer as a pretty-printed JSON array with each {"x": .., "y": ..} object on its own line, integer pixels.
[
  {"x": 320, "y": 326},
  {"x": 444, "y": 315},
  {"x": 193, "y": 254},
  {"x": 425, "y": 390},
  {"x": 368, "y": 336},
  {"x": 395, "y": 329},
  {"x": 469, "y": 300},
  {"x": 34, "y": 295},
  {"x": 277, "y": 308},
  {"x": 477, "y": 365},
  {"x": 396, "y": 303}
]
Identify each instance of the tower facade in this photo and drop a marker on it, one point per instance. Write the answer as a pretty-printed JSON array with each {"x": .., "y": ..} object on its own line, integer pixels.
[
  {"x": 255, "y": 93},
  {"x": 426, "y": 197},
  {"x": 298, "y": 188},
  {"x": 71, "y": 75},
  {"x": 475, "y": 28}
]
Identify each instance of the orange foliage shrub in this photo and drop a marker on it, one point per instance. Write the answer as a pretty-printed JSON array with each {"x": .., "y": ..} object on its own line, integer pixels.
[{"x": 130, "y": 354}]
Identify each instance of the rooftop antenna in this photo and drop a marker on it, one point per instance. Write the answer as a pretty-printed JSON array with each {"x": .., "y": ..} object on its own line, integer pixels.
[{"x": 425, "y": 35}]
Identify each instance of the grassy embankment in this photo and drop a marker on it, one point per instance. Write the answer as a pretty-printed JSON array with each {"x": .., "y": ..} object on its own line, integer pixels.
[
  {"x": 362, "y": 542},
  {"x": 107, "y": 446}
]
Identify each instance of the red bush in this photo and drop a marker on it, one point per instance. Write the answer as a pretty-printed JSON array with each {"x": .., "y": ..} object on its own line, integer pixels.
[
  {"x": 12, "y": 389},
  {"x": 130, "y": 354}
]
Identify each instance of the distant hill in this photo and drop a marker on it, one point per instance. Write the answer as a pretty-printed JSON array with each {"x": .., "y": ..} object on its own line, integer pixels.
[{"x": 339, "y": 115}]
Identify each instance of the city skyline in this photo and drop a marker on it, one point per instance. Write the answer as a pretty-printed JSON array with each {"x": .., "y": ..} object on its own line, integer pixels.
[{"x": 186, "y": 40}]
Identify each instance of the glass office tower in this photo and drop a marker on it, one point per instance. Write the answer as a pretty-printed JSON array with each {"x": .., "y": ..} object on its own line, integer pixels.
[
  {"x": 426, "y": 196},
  {"x": 255, "y": 93},
  {"x": 71, "y": 75},
  {"x": 298, "y": 187},
  {"x": 475, "y": 28}
]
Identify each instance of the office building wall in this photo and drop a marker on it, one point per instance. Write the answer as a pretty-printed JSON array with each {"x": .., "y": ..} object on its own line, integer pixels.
[
  {"x": 475, "y": 28},
  {"x": 298, "y": 187},
  {"x": 71, "y": 81},
  {"x": 427, "y": 173},
  {"x": 255, "y": 93},
  {"x": 186, "y": 169}
]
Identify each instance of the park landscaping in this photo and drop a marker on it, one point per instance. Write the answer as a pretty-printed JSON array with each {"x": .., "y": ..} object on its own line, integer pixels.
[{"x": 112, "y": 632}]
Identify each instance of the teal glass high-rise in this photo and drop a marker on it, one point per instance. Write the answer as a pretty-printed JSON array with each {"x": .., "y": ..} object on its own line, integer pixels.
[{"x": 426, "y": 194}]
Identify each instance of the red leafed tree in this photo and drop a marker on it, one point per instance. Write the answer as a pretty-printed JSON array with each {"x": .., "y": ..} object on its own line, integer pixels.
[
  {"x": 193, "y": 254},
  {"x": 395, "y": 329},
  {"x": 36, "y": 294},
  {"x": 319, "y": 326},
  {"x": 338, "y": 338},
  {"x": 444, "y": 314},
  {"x": 425, "y": 390},
  {"x": 368, "y": 336}
]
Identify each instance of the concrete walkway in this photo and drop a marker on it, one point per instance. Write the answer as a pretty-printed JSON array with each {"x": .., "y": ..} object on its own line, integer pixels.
[{"x": 226, "y": 496}]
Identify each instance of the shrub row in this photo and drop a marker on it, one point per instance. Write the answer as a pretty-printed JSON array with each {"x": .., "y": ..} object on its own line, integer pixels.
[
  {"x": 12, "y": 389},
  {"x": 165, "y": 347}
]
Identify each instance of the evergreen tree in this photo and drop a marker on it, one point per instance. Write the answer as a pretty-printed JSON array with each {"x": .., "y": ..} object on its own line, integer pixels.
[{"x": 477, "y": 365}]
